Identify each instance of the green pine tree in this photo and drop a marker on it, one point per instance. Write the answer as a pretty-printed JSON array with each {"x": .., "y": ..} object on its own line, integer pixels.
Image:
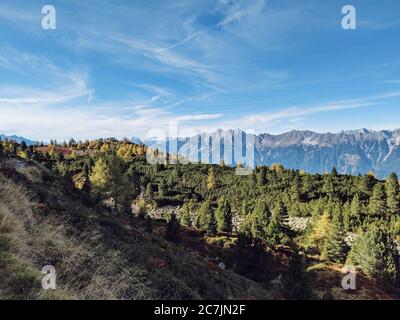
[
  {"x": 162, "y": 189},
  {"x": 224, "y": 215},
  {"x": 335, "y": 247},
  {"x": 357, "y": 212},
  {"x": 118, "y": 185},
  {"x": 328, "y": 186},
  {"x": 296, "y": 189},
  {"x": 377, "y": 204},
  {"x": 393, "y": 195},
  {"x": 259, "y": 220},
  {"x": 212, "y": 226},
  {"x": 375, "y": 253},
  {"x": 207, "y": 219},
  {"x": 186, "y": 213},
  {"x": 367, "y": 183},
  {"x": 149, "y": 194},
  {"x": 275, "y": 231},
  {"x": 244, "y": 210}
]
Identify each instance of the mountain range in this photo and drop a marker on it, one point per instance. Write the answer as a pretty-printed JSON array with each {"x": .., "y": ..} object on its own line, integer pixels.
[
  {"x": 351, "y": 152},
  {"x": 17, "y": 139}
]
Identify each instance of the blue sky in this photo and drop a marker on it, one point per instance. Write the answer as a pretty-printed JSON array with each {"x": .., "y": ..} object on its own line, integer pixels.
[{"x": 125, "y": 68}]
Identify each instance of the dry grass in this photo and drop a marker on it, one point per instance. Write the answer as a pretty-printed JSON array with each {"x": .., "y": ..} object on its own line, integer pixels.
[
  {"x": 30, "y": 241},
  {"x": 44, "y": 221}
]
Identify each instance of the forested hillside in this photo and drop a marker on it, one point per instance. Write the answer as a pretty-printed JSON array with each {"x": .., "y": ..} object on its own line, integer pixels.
[{"x": 246, "y": 236}]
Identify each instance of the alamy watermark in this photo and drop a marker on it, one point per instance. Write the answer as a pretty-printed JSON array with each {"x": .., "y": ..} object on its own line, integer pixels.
[
  {"x": 349, "y": 21},
  {"x": 49, "y": 279},
  {"x": 230, "y": 147},
  {"x": 49, "y": 21},
  {"x": 349, "y": 281}
]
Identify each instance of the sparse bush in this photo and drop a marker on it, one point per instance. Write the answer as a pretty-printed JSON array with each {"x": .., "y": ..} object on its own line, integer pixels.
[{"x": 173, "y": 229}]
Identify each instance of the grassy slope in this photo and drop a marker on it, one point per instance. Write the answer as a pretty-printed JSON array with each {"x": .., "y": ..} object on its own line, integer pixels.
[{"x": 43, "y": 220}]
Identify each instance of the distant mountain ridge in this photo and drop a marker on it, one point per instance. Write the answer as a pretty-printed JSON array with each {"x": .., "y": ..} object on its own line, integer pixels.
[
  {"x": 17, "y": 139},
  {"x": 351, "y": 152}
]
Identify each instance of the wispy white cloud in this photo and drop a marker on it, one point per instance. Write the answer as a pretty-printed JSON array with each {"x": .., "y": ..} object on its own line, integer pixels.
[
  {"x": 71, "y": 86},
  {"x": 237, "y": 14},
  {"x": 195, "y": 51},
  {"x": 66, "y": 108},
  {"x": 181, "y": 42},
  {"x": 158, "y": 90},
  {"x": 88, "y": 122}
]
